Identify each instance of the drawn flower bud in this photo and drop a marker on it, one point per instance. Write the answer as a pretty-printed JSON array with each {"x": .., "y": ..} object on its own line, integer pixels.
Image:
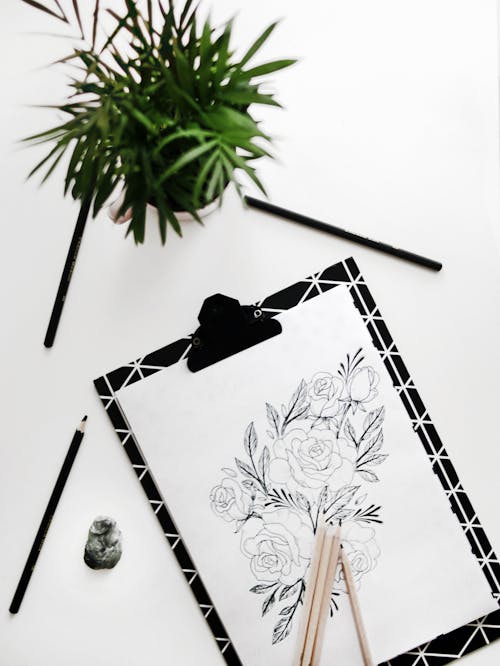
[{"x": 362, "y": 385}]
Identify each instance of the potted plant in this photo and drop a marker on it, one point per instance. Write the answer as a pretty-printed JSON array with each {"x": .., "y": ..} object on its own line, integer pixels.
[{"x": 167, "y": 116}]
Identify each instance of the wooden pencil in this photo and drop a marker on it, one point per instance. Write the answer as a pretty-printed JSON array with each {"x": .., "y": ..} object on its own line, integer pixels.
[
  {"x": 309, "y": 595},
  {"x": 47, "y": 518},
  {"x": 327, "y": 595},
  {"x": 343, "y": 233},
  {"x": 317, "y": 598},
  {"x": 356, "y": 610}
]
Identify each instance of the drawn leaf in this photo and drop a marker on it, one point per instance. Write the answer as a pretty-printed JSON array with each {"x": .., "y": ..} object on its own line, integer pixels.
[
  {"x": 296, "y": 407},
  {"x": 244, "y": 468},
  {"x": 350, "y": 433},
  {"x": 264, "y": 462},
  {"x": 229, "y": 471},
  {"x": 280, "y": 498},
  {"x": 286, "y": 610},
  {"x": 289, "y": 590},
  {"x": 368, "y": 515},
  {"x": 372, "y": 445},
  {"x": 323, "y": 496},
  {"x": 375, "y": 460},
  {"x": 270, "y": 434},
  {"x": 361, "y": 499},
  {"x": 341, "y": 499},
  {"x": 343, "y": 514},
  {"x": 248, "y": 484},
  {"x": 299, "y": 394},
  {"x": 261, "y": 589},
  {"x": 373, "y": 421},
  {"x": 250, "y": 440},
  {"x": 268, "y": 603},
  {"x": 281, "y": 630},
  {"x": 368, "y": 476},
  {"x": 302, "y": 502},
  {"x": 299, "y": 413},
  {"x": 273, "y": 417}
]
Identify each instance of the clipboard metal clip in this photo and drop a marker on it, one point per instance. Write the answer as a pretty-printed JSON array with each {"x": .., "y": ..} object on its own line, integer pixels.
[{"x": 226, "y": 328}]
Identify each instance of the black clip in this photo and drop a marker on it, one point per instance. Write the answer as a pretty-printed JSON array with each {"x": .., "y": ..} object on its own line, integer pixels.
[{"x": 226, "y": 328}]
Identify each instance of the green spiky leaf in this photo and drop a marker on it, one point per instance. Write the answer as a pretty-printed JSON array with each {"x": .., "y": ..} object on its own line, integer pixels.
[{"x": 162, "y": 110}]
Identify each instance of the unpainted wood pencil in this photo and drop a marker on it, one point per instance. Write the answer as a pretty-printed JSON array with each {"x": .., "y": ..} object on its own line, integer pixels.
[
  {"x": 327, "y": 595},
  {"x": 309, "y": 594},
  {"x": 356, "y": 610},
  {"x": 317, "y": 599}
]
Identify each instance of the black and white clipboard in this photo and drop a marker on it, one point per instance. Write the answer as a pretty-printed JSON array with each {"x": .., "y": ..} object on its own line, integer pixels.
[{"x": 225, "y": 330}]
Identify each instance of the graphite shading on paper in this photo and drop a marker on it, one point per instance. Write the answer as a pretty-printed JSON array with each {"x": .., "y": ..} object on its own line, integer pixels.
[{"x": 417, "y": 576}]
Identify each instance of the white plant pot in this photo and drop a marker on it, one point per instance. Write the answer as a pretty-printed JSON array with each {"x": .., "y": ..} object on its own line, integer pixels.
[{"x": 182, "y": 216}]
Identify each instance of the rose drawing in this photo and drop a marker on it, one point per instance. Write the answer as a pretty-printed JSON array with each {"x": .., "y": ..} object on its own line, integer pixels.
[
  {"x": 311, "y": 460},
  {"x": 278, "y": 546},
  {"x": 358, "y": 542},
  {"x": 324, "y": 391},
  {"x": 314, "y": 469},
  {"x": 230, "y": 501}
]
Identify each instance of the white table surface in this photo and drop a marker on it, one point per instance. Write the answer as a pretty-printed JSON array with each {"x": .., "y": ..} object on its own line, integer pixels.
[{"x": 391, "y": 130}]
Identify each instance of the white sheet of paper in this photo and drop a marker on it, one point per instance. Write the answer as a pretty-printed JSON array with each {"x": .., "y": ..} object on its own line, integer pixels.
[{"x": 416, "y": 574}]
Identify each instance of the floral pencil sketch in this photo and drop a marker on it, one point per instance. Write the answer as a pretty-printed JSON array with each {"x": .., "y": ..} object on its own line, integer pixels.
[{"x": 320, "y": 459}]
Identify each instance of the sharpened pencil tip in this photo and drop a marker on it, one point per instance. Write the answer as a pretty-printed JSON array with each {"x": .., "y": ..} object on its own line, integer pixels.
[{"x": 81, "y": 427}]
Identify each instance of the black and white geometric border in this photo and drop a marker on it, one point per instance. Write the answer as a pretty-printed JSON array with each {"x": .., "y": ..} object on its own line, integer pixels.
[{"x": 437, "y": 652}]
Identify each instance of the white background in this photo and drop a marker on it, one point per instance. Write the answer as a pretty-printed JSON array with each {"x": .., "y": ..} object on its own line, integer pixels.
[{"x": 391, "y": 130}]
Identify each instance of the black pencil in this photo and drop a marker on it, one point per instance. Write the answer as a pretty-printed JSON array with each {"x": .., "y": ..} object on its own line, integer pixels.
[
  {"x": 68, "y": 269},
  {"x": 47, "y": 518},
  {"x": 343, "y": 233}
]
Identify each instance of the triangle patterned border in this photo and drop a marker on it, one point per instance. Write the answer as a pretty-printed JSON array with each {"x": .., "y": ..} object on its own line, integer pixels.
[{"x": 437, "y": 652}]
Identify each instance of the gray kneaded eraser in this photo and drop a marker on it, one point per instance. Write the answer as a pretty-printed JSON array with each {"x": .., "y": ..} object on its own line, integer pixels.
[{"x": 104, "y": 544}]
